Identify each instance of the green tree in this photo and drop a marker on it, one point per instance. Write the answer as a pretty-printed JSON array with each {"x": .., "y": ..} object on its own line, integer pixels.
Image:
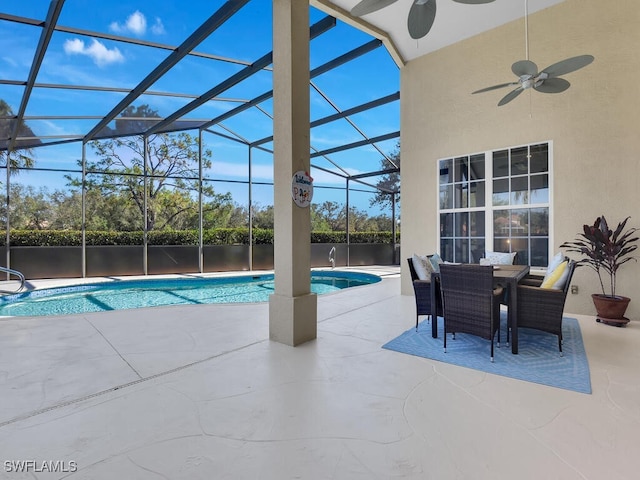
[
  {"x": 389, "y": 182},
  {"x": 172, "y": 167},
  {"x": 172, "y": 176},
  {"x": 359, "y": 221},
  {"x": 67, "y": 208},
  {"x": 333, "y": 214},
  {"x": 136, "y": 119},
  {"x": 217, "y": 211},
  {"x": 33, "y": 211},
  {"x": 263, "y": 216},
  {"x": 318, "y": 222},
  {"x": 19, "y": 157},
  {"x": 380, "y": 223},
  {"x": 238, "y": 216}
]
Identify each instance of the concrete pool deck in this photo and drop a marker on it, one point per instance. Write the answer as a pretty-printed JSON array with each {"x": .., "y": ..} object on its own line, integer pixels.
[{"x": 199, "y": 392}]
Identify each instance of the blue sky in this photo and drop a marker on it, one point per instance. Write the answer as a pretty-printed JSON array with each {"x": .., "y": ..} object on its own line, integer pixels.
[{"x": 74, "y": 59}]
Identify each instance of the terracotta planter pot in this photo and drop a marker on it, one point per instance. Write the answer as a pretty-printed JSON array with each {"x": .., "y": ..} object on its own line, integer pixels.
[{"x": 611, "y": 310}]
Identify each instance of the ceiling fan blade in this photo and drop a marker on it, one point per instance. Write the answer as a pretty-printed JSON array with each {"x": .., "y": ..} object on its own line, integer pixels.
[
  {"x": 524, "y": 67},
  {"x": 510, "y": 96},
  {"x": 369, "y": 6},
  {"x": 474, "y": 2},
  {"x": 553, "y": 85},
  {"x": 569, "y": 65},
  {"x": 421, "y": 18},
  {"x": 495, "y": 87}
]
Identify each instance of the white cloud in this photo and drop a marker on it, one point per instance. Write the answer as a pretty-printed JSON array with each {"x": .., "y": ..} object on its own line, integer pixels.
[
  {"x": 136, "y": 24},
  {"x": 10, "y": 60},
  {"x": 115, "y": 27},
  {"x": 320, "y": 177},
  {"x": 158, "y": 28},
  {"x": 333, "y": 140},
  {"x": 238, "y": 170},
  {"x": 51, "y": 128},
  {"x": 100, "y": 54}
]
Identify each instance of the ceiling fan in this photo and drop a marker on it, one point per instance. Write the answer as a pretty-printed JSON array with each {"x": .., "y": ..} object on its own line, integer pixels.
[
  {"x": 421, "y": 15},
  {"x": 545, "y": 81}
]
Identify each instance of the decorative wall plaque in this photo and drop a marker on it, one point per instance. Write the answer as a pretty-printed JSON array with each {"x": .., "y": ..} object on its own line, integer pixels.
[{"x": 302, "y": 189}]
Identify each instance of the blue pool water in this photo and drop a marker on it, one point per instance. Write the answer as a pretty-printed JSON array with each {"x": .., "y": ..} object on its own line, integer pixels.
[{"x": 126, "y": 294}]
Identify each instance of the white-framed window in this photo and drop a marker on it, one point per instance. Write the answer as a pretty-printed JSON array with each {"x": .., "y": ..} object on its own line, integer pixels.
[{"x": 498, "y": 201}]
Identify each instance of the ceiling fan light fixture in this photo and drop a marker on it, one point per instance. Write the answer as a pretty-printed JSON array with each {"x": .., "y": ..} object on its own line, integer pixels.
[{"x": 527, "y": 81}]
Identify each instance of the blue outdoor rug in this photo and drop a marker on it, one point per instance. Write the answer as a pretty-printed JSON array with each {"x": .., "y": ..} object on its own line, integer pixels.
[{"x": 538, "y": 359}]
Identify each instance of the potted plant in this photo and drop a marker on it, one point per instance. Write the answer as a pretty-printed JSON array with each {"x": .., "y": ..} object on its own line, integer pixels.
[{"x": 605, "y": 251}]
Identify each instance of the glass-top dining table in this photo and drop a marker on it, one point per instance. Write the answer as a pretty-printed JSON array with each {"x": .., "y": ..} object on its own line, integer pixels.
[{"x": 507, "y": 276}]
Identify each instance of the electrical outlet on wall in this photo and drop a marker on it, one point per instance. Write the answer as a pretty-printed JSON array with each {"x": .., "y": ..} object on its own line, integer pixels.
[{"x": 574, "y": 289}]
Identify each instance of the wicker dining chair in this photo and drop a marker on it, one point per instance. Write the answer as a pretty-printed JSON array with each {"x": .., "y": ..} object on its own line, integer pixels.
[
  {"x": 422, "y": 291},
  {"x": 470, "y": 302},
  {"x": 542, "y": 308}
]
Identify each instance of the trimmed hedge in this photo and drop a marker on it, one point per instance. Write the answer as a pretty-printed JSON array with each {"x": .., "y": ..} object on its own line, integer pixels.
[{"x": 214, "y": 236}]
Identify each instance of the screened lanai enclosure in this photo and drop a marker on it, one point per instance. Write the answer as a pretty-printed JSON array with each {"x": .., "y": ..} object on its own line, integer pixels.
[{"x": 140, "y": 141}]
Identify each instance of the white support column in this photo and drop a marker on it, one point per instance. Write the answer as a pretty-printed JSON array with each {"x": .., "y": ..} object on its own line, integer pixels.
[{"x": 292, "y": 308}]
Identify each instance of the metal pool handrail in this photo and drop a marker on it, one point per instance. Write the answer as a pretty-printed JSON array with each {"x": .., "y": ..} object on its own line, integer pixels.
[
  {"x": 332, "y": 257},
  {"x": 15, "y": 273}
]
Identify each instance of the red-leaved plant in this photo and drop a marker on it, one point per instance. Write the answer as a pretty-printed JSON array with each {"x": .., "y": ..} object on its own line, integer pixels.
[{"x": 604, "y": 249}]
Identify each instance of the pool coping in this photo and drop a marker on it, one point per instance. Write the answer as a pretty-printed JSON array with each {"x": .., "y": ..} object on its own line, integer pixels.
[
  {"x": 37, "y": 284},
  {"x": 62, "y": 283}
]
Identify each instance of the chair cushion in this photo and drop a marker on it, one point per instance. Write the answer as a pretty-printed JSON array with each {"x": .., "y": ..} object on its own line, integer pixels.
[
  {"x": 557, "y": 259},
  {"x": 498, "y": 258},
  {"x": 558, "y": 277},
  {"x": 422, "y": 266},
  {"x": 435, "y": 262}
]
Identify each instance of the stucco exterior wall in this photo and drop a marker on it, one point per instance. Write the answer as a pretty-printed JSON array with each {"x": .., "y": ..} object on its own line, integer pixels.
[{"x": 594, "y": 126}]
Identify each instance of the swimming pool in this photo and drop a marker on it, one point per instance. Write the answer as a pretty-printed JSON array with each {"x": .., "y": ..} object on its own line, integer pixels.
[{"x": 128, "y": 294}]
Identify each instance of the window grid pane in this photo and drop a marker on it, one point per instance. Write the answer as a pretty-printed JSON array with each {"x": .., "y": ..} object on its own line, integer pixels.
[
  {"x": 460, "y": 169},
  {"x": 476, "y": 167},
  {"x": 539, "y": 192},
  {"x": 539, "y": 161},
  {"x": 446, "y": 171},
  {"x": 476, "y": 194},
  {"x": 519, "y": 161},
  {"x": 519, "y": 190},
  {"x": 501, "y": 164}
]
